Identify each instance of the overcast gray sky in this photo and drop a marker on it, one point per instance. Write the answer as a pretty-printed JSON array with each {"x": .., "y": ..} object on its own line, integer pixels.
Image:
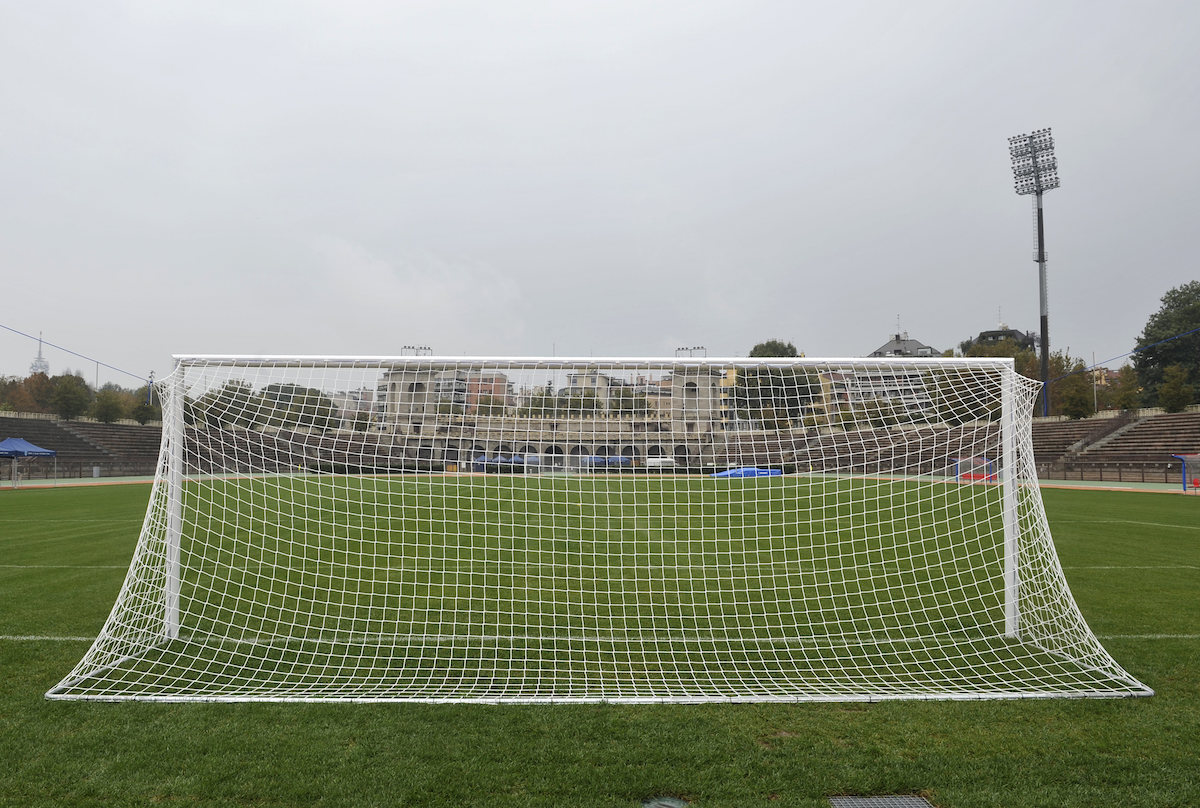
[{"x": 583, "y": 178}]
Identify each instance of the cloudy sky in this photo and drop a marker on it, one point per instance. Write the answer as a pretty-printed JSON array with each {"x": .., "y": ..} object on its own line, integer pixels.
[{"x": 611, "y": 178}]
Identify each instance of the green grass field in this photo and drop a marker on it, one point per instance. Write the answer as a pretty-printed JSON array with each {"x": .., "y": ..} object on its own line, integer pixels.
[{"x": 1133, "y": 561}]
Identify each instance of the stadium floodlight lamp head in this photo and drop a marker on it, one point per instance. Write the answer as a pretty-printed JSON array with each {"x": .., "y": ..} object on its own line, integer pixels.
[{"x": 1035, "y": 168}]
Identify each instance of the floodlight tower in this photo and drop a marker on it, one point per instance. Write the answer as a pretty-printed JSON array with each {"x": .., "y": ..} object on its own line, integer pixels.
[{"x": 1035, "y": 170}]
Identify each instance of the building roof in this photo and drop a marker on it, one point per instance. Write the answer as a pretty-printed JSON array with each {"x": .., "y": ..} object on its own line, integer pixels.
[
  {"x": 1025, "y": 339},
  {"x": 901, "y": 345}
]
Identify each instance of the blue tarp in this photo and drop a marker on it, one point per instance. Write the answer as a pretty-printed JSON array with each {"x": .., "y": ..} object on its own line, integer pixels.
[
  {"x": 749, "y": 472},
  {"x": 19, "y": 447},
  {"x": 606, "y": 460}
]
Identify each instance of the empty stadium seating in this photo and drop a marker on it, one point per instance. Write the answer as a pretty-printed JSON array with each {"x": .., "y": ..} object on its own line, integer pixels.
[{"x": 1094, "y": 448}]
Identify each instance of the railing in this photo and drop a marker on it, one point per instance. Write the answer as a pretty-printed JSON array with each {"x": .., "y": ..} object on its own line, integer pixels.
[
  {"x": 73, "y": 470},
  {"x": 1117, "y": 472}
]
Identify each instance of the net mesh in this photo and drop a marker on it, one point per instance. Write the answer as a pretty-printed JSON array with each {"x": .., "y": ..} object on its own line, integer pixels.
[{"x": 500, "y": 530}]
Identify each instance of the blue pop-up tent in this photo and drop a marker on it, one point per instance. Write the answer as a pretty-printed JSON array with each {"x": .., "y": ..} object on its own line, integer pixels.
[{"x": 19, "y": 447}]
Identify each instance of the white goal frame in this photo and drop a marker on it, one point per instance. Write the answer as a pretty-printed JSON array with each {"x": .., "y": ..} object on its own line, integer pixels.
[{"x": 339, "y": 559}]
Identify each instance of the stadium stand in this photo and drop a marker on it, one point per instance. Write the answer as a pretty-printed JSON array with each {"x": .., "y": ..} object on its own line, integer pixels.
[
  {"x": 249, "y": 451},
  {"x": 1056, "y": 441},
  {"x": 926, "y": 450},
  {"x": 1122, "y": 447},
  {"x": 1149, "y": 440},
  {"x": 130, "y": 444},
  {"x": 76, "y": 456}
]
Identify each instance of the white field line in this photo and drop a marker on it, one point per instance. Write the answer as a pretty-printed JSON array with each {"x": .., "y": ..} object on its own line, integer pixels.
[
  {"x": 1133, "y": 567},
  {"x": 64, "y": 566},
  {"x": 1124, "y": 522}
]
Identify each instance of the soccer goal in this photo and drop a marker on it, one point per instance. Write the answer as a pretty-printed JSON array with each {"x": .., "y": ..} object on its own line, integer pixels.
[
  {"x": 1189, "y": 465},
  {"x": 372, "y": 529},
  {"x": 975, "y": 469}
]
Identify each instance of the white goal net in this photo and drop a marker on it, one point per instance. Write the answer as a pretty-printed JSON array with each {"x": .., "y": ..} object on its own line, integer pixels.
[{"x": 627, "y": 530}]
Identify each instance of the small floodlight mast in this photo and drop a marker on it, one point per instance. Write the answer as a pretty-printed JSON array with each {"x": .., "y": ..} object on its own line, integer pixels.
[{"x": 1035, "y": 171}]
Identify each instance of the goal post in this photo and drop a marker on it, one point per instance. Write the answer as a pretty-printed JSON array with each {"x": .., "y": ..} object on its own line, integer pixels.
[
  {"x": 1010, "y": 509},
  {"x": 172, "y": 445},
  {"x": 1189, "y": 467},
  {"x": 528, "y": 530}
]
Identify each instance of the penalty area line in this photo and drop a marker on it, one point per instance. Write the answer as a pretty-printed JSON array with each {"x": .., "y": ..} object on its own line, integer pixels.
[
  {"x": 1131, "y": 567},
  {"x": 64, "y": 566}
]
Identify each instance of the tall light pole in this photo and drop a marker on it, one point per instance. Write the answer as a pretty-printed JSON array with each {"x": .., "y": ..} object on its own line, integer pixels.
[{"x": 1035, "y": 170}]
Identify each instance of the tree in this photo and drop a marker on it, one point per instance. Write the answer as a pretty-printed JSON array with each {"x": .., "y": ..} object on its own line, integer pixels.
[
  {"x": 31, "y": 394},
  {"x": 1125, "y": 393},
  {"x": 1024, "y": 359},
  {"x": 773, "y": 348},
  {"x": 1073, "y": 394},
  {"x": 1071, "y": 391},
  {"x": 233, "y": 404},
  {"x": 71, "y": 396},
  {"x": 957, "y": 400},
  {"x": 145, "y": 413},
  {"x": 109, "y": 406},
  {"x": 774, "y": 396},
  {"x": 288, "y": 405},
  {"x": 40, "y": 388},
  {"x": 8, "y": 386},
  {"x": 1158, "y": 347},
  {"x": 144, "y": 407},
  {"x": 1175, "y": 392}
]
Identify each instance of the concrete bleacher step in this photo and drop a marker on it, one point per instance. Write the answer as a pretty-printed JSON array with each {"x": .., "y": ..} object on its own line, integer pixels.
[
  {"x": 1149, "y": 440},
  {"x": 128, "y": 442},
  {"x": 1102, "y": 437},
  {"x": 66, "y": 426},
  {"x": 50, "y": 435}
]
